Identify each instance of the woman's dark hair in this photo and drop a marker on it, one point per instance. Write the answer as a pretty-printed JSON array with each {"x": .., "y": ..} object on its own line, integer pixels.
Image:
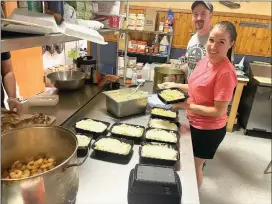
[{"x": 230, "y": 28}]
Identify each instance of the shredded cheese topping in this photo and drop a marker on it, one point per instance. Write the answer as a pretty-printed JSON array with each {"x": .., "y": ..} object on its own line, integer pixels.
[
  {"x": 171, "y": 95},
  {"x": 159, "y": 151},
  {"x": 161, "y": 135},
  {"x": 128, "y": 130},
  {"x": 83, "y": 140},
  {"x": 163, "y": 124},
  {"x": 91, "y": 125},
  {"x": 113, "y": 146},
  {"x": 163, "y": 112}
]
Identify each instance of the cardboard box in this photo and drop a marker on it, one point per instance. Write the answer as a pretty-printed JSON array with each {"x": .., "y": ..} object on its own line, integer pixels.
[{"x": 150, "y": 20}]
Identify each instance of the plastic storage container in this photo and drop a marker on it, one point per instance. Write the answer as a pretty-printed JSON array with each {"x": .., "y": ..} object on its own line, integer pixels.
[
  {"x": 110, "y": 156},
  {"x": 157, "y": 161},
  {"x": 129, "y": 137},
  {"x": 92, "y": 133},
  {"x": 82, "y": 150},
  {"x": 154, "y": 184},
  {"x": 132, "y": 21},
  {"x": 43, "y": 100},
  {"x": 153, "y": 115},
  {"x": 140, "y": 22}
]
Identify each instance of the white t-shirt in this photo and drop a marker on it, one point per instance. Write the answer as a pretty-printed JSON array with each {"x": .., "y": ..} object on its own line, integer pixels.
[{"x": 195, "y": 51}]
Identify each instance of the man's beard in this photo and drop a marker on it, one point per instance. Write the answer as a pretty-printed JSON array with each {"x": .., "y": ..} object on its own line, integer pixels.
[{"x": 199, "y": 25}]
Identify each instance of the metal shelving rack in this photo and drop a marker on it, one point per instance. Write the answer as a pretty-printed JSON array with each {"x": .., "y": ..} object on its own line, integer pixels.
[
  {"x": 127, "y": 31},
  {"x": 23, "y": 41}
]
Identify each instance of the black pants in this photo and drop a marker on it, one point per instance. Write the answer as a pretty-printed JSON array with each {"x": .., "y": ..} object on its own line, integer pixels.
[{"x": 206, "y": 142}]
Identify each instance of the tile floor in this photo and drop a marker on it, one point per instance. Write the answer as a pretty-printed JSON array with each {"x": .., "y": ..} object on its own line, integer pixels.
[{"x": 236, "y": 174}]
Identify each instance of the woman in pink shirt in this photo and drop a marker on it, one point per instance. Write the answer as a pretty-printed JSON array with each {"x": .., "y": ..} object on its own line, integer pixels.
[{"x": 210, "y": 89}]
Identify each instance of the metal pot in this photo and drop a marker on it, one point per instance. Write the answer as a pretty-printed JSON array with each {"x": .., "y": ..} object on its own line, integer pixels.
[
  {"x": 167, "y": 74},
  {"x": 67, "y": 80},
  {"x": 56, "y": 186}
]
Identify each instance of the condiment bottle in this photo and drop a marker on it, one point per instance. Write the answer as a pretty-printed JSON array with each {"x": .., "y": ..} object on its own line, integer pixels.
[
  {"x": 156, "y": 44},
  {"x": 161, "y": 26},
  {"x": 134, "y": 77},
  {"x": 166, "y": 26}
]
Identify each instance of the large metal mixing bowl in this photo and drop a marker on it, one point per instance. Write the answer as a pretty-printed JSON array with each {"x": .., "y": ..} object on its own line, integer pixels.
[{"x": 67, "y": 80}]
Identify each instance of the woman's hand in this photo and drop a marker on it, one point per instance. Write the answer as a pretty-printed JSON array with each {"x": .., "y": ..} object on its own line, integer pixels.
[
  {"x": 167, "y": 85},
  {"x": 14, "y": 105},
  {"x": 182, "y": 105}
]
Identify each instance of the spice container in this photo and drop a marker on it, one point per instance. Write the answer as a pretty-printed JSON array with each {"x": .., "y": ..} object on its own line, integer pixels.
[
  {"x": 132, "y": 46},
  {"x": 146, "y": 49},
  {"x": 156, "y": 44},
  {"x": 140, "y": 22},
  {"x": 132, "y": 21},
  {"x": 161, "y": 26},
  {"x": 141, "y": 46}
]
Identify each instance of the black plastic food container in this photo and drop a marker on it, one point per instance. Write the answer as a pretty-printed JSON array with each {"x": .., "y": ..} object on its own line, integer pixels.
[
  {"x": 113, "y": 157},
  {"x": 177, "y": 124},
  {"x": 164, "y": 117},
  {"x": 129, "y": 137},
  {"x": 154, "y": 140},
  {"x": 155, "y": 161},
  {"x": 92, "y": 133},
  {"x": 150, "y": 184},
  {"x": 82, "y": 151},
  {"x": 174, "y": 101}
]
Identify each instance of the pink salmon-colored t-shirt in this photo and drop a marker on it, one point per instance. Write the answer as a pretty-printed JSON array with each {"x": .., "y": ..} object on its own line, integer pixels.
[{"x": 208, "y": 84}]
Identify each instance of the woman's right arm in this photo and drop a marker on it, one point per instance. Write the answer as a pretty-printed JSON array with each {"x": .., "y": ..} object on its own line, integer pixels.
[
  {"x": 167, "y": 85},
  {"x": 183, "y": 87}
]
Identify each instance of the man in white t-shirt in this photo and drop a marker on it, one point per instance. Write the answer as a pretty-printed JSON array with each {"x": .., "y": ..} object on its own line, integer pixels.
[{"x": 202, "y": 13}]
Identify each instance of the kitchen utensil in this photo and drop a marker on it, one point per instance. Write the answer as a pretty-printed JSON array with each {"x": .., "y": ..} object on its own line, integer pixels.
[
  {"x": 24, "y": 143},
  {"x": 67, "y": 80},
  {"x": 126, "y": 107},
  {"x": 87, "y": 65},
  {"x": 136, "y": 89}
]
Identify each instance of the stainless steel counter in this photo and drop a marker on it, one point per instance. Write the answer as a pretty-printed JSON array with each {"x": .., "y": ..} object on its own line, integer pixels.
[
  {"x": 69, "y": 103},
  {"x": 107, "y": 183}
]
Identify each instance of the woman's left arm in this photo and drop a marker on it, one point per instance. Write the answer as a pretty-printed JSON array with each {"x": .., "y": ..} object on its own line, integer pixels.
[{"x": 217, "y": 110}]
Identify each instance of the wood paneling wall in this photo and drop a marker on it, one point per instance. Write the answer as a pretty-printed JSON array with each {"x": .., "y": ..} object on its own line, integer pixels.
[{"x": 250, "y": 41}]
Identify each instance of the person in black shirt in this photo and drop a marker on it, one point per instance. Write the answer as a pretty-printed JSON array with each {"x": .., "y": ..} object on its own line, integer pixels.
[{"x": 8, "y": 83}]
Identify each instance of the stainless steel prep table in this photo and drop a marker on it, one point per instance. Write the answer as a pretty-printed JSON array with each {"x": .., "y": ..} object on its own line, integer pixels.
[
  {"x": 107, "y": 183},
  {"x": 69, "y": 103}
]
